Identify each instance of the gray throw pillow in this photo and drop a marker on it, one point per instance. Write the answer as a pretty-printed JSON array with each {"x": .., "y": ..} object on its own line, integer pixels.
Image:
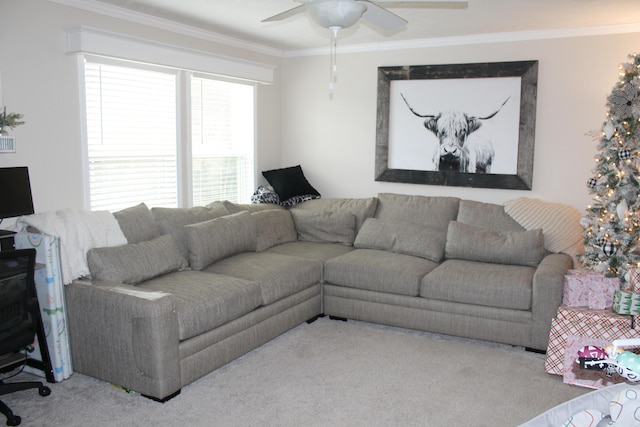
[
  {"x": 220, "y": 238},
  {"x": 137, "y": 223},
  {"x": 509, "y": 247},
  {"x": 273, "y": 228},
  {"x": 402, "y": 238},
  {"x": 135, "y": 262},
  {"x": 327, "y": 227},
  {"x": 172, "y": 220}
]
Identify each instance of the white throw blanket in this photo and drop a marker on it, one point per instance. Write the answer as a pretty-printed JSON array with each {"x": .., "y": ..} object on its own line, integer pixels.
[
  {"x": 78, "y": 231},
  {"x": 560, "y": 224}
]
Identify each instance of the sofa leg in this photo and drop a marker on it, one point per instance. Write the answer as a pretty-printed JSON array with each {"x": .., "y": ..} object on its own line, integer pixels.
[
  {"x": 165, "y": 399},
  {"x": 342, "y": 319},
  {"x": 314, "y": 318}
]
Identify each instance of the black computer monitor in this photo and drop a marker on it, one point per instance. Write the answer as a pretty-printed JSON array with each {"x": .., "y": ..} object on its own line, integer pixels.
[{"x": 15, "y": 192}]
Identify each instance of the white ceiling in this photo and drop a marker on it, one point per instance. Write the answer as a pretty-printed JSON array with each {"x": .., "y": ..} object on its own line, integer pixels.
[{"x": 241, "y": 19}]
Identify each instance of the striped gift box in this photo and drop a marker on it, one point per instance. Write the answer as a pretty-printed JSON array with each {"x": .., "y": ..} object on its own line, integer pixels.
[{"x": 582, "y": 322}]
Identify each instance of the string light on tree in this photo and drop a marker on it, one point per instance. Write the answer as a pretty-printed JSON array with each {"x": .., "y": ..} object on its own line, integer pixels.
[{"x": 611, "y": 227}]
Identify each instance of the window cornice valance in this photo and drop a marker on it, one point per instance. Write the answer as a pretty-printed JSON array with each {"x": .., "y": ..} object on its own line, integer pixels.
[{"x": 86, "y": 40}]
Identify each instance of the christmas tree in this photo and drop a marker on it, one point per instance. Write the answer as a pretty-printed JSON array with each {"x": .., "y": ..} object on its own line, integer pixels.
[{"x": 612, "y": 223}]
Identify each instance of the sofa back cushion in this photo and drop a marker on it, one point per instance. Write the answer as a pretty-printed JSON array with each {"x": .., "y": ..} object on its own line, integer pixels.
[
  {"x": 251, "y": 207},
  {"x": 434, "y": 212},
  {"x": 402, "y": 238},
  {"x": 471, "y": 243},
  {"x": 327, "y": 227},
  {"x": 172, "y": 220},
  {"x": 135, "y": 262},
  {"x": 219, "y": 238},
  {"x": 137, "y": 223},
  {"x": 486, "y": 215},
  {"x": 362, "y": 208},
  {"x": 273, "y": 227}
]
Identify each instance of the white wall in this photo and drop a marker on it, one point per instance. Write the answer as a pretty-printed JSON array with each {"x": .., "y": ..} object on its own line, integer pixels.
[
  {"x": 40, "y": 81},
  {"x": 334, "y": 139}
]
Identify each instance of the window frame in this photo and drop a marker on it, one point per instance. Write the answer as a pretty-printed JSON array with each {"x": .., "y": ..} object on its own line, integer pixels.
[{"x": 184, "y": 158}]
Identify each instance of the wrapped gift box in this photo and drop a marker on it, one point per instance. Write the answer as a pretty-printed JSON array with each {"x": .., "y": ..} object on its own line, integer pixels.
[
  {"x": 586, "y": 314},
  {"x": 625, "y": 302},
  {"x": 584, "y": 322},
  {"x": 634, "y": 279},
  {"x": 590, "y": 289},
  {"x": 575, "y": 375}
]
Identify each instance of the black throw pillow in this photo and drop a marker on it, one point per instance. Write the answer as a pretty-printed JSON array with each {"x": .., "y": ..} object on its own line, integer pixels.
[{"x": 289, "y": 182}]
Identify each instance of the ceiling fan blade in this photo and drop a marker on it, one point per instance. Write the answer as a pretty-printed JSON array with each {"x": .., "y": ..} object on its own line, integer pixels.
[
  {"x": 286, "y": 14},
  {"x": 421, "y": 4},
  {"x": 382, "y": 18}
]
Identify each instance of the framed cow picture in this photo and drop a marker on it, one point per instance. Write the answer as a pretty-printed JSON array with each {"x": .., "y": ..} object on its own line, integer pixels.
[{"x": 469, "y": 125}]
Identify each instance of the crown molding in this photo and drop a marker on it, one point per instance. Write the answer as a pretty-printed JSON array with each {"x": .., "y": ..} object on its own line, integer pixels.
[
  {"x": 168, "y": 25},
  {"x": 471, "y": 40},
  {"x": 165, "y": 24}
]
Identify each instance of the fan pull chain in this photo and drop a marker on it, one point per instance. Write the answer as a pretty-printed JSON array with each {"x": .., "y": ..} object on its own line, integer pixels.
[{"x": 334, "y": 47}]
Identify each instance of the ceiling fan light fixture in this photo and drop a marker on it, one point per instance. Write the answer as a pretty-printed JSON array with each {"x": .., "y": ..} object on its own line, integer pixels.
[{"x": 335, "y": 13}]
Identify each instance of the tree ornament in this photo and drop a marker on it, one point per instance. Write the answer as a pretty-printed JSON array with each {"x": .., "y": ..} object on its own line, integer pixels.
[
  {"x": 622, "y": 210},
  {"x": 624, "y": 154},
  {"x": 592, "y": 183},
  {"x": 608, "y": 129},
  {"x": 609, "y": 249}
]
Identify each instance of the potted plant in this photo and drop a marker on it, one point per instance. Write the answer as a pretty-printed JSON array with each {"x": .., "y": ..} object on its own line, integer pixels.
[{"x": 10, "y": 120}]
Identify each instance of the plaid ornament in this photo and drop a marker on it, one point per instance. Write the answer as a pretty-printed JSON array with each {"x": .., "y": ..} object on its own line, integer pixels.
[
  {"x": 592, "y": 182},
  {"x": 624, "y": 154},
  {"x": 609, "y": 249}
]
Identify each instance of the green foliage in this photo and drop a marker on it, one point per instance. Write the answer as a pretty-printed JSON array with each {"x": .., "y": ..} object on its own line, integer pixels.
[
  {"x": 612, "y": 224},
  {"x": 10, "y": 120}
]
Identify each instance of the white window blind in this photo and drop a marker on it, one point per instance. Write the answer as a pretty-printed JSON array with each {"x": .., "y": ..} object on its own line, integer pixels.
[
  {"x": 132, "y": 123},
  {"x": 222, "y": 135},
  {"x": 131, "y": 136}
]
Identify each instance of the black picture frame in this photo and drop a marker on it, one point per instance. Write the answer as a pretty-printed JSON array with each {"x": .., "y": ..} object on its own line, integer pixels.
[{"x": 520, "y": 73}]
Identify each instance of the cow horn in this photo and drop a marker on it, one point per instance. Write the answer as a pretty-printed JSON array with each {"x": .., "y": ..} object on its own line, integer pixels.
[
  {"x": 496, "y": 112},
  {"x": 413, "y": 111}
]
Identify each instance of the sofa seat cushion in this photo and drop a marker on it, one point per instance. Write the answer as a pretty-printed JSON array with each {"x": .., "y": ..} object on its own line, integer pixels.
[
  {"x": 277, "y": 275},
  {"x": 472, "y": 282},
  {"x": 204, "y": 301},
  {"x": 311, "y": 250},
  {"x": 379, "y": 271}
]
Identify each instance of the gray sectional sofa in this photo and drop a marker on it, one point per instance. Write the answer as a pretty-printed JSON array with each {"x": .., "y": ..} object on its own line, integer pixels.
[{"x": 196, "y": 288}]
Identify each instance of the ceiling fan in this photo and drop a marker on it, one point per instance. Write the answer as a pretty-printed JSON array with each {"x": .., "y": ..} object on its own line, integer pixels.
[
  {"x": 338, "y": 14},
  {"x": 345, "y": 13}
]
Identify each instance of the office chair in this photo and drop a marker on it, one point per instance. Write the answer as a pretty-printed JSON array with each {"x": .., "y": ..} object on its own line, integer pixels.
[{"x": 19, "y": 320}]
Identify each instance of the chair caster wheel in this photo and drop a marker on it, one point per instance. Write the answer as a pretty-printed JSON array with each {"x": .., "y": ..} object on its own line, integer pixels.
[
  {"x": 44, "y": 391},
  {"x": 13, "y": 420}
]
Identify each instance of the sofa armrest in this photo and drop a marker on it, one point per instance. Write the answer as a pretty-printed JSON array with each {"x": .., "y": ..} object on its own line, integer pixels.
[
  {"x": 125, "y": 336},
  {"x": 548, "y": 282}
]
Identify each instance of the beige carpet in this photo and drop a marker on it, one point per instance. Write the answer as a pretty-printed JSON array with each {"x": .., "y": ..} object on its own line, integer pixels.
[{"x": 328, "y": 373}]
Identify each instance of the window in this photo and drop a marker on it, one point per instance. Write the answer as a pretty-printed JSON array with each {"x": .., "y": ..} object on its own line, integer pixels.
[
  {"x": 141, "y": 147},
  {"x": 221, "y": 140}
]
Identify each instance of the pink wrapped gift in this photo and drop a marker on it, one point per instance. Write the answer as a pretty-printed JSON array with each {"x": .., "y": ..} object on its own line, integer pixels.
[
  {"x": 634, "y": 280},
  {"x": 583, "y": 288}
]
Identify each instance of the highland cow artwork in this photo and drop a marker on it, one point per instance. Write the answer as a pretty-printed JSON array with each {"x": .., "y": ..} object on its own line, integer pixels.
[{"x": 463, "y": 125}]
